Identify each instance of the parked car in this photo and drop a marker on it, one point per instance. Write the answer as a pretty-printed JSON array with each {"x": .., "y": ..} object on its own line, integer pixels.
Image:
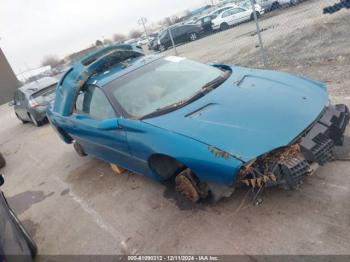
[
  {"x": 143, "y": 41},
  {"x": 15, "y": 241},
  {"x": 222, "y": 9},
  {"x": 235, "y": 16},
  {"x": 131, "y": 41},
  {"x": 205, "y": 22},
  {"x": 128, "y": 47},
  {"x": 180, "y": 34},
  {"x": 31, "y": 100},
  {"x": 270, "y": 5},
  {"x": 209, "y": 128},
  {"x": 152, "y": 38}
]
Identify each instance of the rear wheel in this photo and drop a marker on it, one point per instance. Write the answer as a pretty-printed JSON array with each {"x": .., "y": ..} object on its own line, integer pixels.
[
  {"x": 294, "y": 2},
  {"x": 224, "y": 26},
  {"x": 79, "y": 149},
  {"x": 35, "y": 122},
  {"x": 162, "y": 48},
  {"x": 2, "y": 161},
  {"x": 23, "y": 122},
  {"x": 275, "y": 5}
]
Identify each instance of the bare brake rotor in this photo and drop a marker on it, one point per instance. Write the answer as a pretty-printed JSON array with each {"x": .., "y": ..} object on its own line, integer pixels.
[{"x": 187, "y": 186}]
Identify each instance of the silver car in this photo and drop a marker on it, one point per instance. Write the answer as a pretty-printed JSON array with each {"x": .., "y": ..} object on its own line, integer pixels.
[{"x": 31, "y": 100}]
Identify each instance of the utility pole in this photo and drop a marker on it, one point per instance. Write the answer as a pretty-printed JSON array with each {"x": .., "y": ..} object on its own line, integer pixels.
[
  {"x": 142, "y": 21},
  {"x": 262, "y": 50}
]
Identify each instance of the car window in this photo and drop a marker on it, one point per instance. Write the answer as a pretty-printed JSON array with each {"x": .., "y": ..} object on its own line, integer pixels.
[
  {"x": 176, "y": 31},
  {"x": 224, "y": 9},
  {"x": 227, "y": 13},
  {"x": 207, "y": 19},
  {"x": 92, "y": 101},
  {"x": 237, "y": 10},
  {"x": 164, "y": 34}
]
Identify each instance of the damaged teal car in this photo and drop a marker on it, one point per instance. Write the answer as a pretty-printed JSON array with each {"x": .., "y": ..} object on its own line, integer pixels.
[{"x": 208, "y": 128}]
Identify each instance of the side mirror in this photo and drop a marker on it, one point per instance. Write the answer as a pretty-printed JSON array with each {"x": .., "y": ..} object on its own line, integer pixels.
[
  {"x": 2, "y": 180},
  {"x": 109, "y": 124},
  {"x": 11, "y": 103}
]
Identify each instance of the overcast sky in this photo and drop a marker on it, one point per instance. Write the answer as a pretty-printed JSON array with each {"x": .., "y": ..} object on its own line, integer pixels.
[{"x": 31, "y": 29}]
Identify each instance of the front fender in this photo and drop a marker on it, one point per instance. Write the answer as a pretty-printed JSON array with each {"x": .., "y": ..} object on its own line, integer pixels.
[{"x": 208, "y": 163}]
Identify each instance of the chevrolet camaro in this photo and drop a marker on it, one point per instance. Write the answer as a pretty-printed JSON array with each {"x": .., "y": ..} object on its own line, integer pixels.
[{"x": 208, "y": 128}]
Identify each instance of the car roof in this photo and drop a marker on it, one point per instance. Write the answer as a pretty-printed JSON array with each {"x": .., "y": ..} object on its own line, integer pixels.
[
  {"x": 38, "y": 85},
  {"x": 123, "y": 69},
  {"x": 204, "y": 16}
]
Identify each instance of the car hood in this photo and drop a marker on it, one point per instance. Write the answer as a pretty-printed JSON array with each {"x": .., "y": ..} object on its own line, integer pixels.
[{"x": 251, "y": 113}]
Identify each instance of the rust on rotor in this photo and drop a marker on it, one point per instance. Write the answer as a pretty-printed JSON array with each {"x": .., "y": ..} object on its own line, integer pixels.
[{"x": 187, "y": 186}]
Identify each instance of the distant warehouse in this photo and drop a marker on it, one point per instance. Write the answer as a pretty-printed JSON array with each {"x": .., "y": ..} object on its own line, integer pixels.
[{"x": 8, "y": 80}]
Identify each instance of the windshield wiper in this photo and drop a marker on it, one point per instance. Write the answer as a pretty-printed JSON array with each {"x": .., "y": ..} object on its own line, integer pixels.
[
  {"x": 216, "y": 82},
  {"x": 204, "y": 90}
]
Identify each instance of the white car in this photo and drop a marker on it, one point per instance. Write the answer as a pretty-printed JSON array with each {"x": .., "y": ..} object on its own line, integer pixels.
[
  {"x": 235, "y": 16},
  {"x": 273, "y": 4},
  {"x": 143, "y": 41},
  {"x": 220, "y": 10}
]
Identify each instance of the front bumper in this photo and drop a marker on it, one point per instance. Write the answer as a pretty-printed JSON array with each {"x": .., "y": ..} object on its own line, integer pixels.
[
  {"x": 328, "y": 131},
  {"x": 311, "y": 149}
]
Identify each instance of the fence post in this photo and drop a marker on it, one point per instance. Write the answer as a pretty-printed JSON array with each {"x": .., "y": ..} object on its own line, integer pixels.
[
  {"x": 172, "y": 40},
  {"x": 262, "y": 50}
]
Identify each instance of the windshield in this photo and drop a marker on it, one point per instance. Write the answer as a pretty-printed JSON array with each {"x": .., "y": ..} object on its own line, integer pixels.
[{"x": 166, "y": 82}]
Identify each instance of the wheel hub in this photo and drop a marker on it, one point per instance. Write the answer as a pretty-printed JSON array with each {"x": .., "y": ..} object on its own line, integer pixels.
[{"x": 186, "y": 185}]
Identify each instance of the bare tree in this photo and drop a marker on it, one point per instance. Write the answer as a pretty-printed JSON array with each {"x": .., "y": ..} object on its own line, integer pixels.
[
  {"x": 98, "y": 43},
  {"x": 119, "y": 38},
  {"x": 135, "y": 34},
  {"x": 51, "y": 60},
  {"x": 187, "y": 13},
  {"x": 167, "y": 21}
]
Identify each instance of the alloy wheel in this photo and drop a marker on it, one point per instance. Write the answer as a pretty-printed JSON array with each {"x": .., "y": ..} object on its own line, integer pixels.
[{"x": 193, "y": 36}]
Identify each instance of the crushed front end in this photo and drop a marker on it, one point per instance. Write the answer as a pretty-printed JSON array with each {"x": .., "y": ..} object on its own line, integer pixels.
[{"x": 314, "y": 147}]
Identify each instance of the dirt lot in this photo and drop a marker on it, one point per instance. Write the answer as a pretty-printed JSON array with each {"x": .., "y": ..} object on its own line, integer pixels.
[{"x": 76, "y": 205}]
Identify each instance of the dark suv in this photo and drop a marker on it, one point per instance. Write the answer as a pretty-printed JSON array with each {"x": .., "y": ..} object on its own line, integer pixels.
[{"x": 180, "y": 33}]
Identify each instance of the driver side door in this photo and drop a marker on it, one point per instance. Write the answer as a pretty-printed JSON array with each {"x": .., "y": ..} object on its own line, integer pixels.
[{"x": 90, "y": 127}]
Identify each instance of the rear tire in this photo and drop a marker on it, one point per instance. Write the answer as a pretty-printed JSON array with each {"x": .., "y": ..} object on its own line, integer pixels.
[
  {"x": 275, "y": 6},
  {"x": 2, "y": 161},
  {"x": 20, "y": 119},
  {"x": 35, "y": 122},
  {"x": 294, "y": 2},
  {"x": 79, "y": 149},
  {"x": 162, "y": 48},
  {"x": 224, "y": 26}
]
